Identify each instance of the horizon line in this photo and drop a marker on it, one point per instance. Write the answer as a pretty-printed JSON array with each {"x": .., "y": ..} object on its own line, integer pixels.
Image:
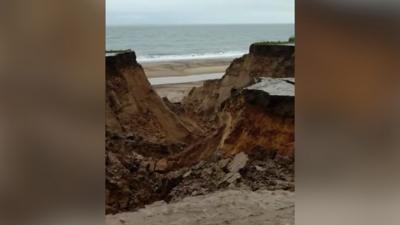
[{"x": 198, "y": 24}]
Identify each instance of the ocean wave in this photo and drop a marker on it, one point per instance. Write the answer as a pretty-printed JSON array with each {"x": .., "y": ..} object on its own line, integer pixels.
[{"x": 161, "y": 58}]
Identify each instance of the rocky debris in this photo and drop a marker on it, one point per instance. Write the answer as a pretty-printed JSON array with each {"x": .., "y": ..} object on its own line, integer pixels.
[
  {"x": 239, "y": 171},
  {"x": 134, "y": 181},
  {"x": 236, "y": 207}
]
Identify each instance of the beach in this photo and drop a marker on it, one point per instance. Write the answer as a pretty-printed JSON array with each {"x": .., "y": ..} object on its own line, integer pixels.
[
  {"x": 175, "y": 78},
  {"x": 185, "y": 67}
]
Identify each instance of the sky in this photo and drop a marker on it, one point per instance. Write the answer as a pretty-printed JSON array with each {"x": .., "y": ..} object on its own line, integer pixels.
[{"x": 144, "y": 12}]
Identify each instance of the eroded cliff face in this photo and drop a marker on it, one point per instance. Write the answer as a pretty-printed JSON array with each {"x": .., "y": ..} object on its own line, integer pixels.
[
  {"x": 263, "y": 60},
  {"x": 257, "y": 118},
  {"x": 140, "y": 128},
  {"x": 134, "y": 107},
  {"x": 158, "y": 150},
  {"x": 260, "y": 117}
]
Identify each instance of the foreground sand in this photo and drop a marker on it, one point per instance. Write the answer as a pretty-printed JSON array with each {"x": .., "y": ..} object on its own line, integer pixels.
[
  {"x": 185, "y": 67},
  {"x": 235, "y": 207}
]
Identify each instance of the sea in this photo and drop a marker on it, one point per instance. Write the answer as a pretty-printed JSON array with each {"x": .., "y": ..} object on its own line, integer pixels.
[{"x": 180, "y": 42}]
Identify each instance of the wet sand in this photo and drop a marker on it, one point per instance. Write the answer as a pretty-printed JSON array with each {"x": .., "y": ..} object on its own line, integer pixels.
[
  {"x": 184, "y": 79},
  {"x": 185, "y": 67}
]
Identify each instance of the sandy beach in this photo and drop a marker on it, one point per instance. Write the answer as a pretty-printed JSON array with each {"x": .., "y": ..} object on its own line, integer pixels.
[
  {"x": 186, "y": 67},
  {"x": 164, "y": 74}
]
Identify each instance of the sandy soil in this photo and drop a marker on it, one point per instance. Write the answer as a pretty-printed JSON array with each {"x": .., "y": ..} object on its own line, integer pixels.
[
  {"x": 185, "y": 67},
  {"x": 235, "y": 207}
]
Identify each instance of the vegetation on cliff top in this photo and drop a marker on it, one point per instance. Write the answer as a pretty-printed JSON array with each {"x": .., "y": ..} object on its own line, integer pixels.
[
  {"x": 291, "y": 40},
  {"x": 118, "y": 51}
]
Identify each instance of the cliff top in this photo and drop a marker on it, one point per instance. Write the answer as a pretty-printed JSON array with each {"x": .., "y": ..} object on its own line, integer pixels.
[
  {"x": 114, "y": 62},
  {"x": 275, "y": 86}
]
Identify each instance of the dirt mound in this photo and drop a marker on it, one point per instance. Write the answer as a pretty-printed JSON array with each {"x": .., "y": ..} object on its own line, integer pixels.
[{"x": 263, "y": 60}]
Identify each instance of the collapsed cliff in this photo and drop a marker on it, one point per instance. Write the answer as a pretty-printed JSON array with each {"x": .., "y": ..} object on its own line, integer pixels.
[
  {"x": 275, "y": 61},
  {"x": 258, "y": 117},
  {"x": 133, "y": 106},
  {"x": 138, "y": 125},
  {"x": 236, "y": 132}
]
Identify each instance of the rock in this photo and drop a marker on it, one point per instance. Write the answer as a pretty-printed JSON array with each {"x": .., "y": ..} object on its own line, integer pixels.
[
  {"x": 161, "y": 165},
  {"x": 222, "y": 163},
  {"x": 238, "y": 162},
  {"x": 148, "y": 165},
  {"x": 232, "y": 177},
  {"x": 261, "y": 169},
  {"x": 199, "y": 165},
  {"x": 188, "y": 173}
]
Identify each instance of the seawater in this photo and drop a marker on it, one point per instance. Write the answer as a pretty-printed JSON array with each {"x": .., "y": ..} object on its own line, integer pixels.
[{"x": 177, "y": 42}]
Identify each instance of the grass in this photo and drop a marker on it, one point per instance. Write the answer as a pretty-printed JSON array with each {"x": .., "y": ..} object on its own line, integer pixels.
[
  {"x": 118, "y": 51},
  {"x": 291, "y": 40}
]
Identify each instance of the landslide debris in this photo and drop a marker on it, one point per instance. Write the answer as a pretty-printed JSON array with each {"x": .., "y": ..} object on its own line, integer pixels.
[{"x": 236, "y": 133}]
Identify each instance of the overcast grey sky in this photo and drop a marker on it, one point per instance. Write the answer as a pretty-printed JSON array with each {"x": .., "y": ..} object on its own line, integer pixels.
[{"x": 125, "y": 12}]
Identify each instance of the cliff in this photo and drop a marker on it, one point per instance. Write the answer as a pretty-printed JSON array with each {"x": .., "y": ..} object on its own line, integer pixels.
[
  {"x": 235, "y": 131},
  {"x": 257, "y": 118},
  {"x": 263, "y": 60},
  {"x": 132, "y": 106},
  {"x": 138, "y": 126},
  {"x": 261, "y": 117}
]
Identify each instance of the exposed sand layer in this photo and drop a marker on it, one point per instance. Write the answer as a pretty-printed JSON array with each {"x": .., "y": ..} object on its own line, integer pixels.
[
  {"x": 186, "y": 67},
  {"x": 235, "y": 207}
]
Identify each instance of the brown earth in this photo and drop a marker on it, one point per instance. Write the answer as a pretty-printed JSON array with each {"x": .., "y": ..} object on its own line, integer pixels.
[
  {"x": 221, "y": 136},
  {"x": 133, "y": 105},
  {"x": 262, "y": 61}
]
